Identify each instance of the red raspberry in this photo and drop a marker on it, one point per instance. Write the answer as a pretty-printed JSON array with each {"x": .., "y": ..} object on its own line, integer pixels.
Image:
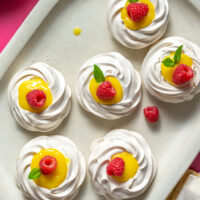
[
  {"x": 137, "y": 11},
  {"x": 115, "y": 167},
  {"x": 36, "y": 98},
  {"x": 48, "y": 164},
  {"x": 106, "y": 91},
  {"x": 182, "y": 74},
  {"x": 151, "y": 113}
]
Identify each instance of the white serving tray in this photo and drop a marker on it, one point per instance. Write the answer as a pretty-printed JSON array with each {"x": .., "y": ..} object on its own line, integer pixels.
[{"x": 174, "y": 140}]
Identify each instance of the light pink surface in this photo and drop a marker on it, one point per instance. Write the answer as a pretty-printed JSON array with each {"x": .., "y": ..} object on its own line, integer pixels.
[{"x": 12, "y": 15}]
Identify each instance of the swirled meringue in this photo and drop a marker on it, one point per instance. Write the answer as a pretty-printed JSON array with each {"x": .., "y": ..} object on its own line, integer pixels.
[
  {"x": 140, "y": 38},
  {"x": 51, "y": 117},
  {"x": 112, "y": 64},
  {"x": 153, "y": 79},
  {"x": 75, "y": 175},
  {"x": 114, "y": 142}
]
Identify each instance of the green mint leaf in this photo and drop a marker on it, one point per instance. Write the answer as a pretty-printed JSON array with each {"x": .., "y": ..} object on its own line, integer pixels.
[
  {"x": 177, "y": 56},
  {"x": 133, "y": 1},
  {"x": 168, "y": 62},
  {"x": 34, "y": 174},
  {"x": 98, "y": 74}
]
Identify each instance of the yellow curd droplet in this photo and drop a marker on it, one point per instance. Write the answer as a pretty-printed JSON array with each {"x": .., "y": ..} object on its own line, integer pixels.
[
  {"x": 167, "y": 72},
  {"x": 54, "y": 179},
  {"x": 130, "y": 168},
  {"x": 77, "y": 31},
  {"x": 93, "y": 86},
  {"x": 28, "y": 86},
  {"x": 146, "y": 21}
]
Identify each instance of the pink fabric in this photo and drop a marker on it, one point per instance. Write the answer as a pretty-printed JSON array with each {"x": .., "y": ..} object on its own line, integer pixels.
[
  {"x": 12, "y": 15},
  {"x": 196, "y": 164}
]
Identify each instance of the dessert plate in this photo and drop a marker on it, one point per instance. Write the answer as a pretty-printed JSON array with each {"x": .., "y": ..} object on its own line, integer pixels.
[{"x": 174, "y": 140}]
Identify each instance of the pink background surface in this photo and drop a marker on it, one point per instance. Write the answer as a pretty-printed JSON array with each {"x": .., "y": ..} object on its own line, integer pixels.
[
  {"x": 12, "y": 15},
  {"x": 196, "y": 164}
]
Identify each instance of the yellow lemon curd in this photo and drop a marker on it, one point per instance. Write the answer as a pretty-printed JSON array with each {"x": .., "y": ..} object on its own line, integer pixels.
[
  {"x": 54, "y": 179},
  {"x": 28, "y": 86},
  {"x": 146, "y": 21},
  {"x": 93, "y": 86},
  {"x": 130, "y": 168},
  {"x": 77, "y": 31},
  {"x": 167, "y": 72}
]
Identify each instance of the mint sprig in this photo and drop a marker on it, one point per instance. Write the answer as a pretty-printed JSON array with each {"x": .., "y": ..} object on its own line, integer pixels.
[
  {"x": 133, "y": 1},
  {"x": 168, "y": 62},
  {"x": 98, "y": 74},
  {"x": 177, "y": 56},
  {"x": 34, "y": 174}
]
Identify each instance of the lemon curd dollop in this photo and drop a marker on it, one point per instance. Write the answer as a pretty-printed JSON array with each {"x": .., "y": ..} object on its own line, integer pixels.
[
  {"x": 130, "y": 168},
  {"x": 167, "y": 72},
  {"x": 146, "y": 21},
  {"x": 54, "y": 179},
  {"x": 77, "y": 31},
  {"x": 93, "y": 86},
  {"x": 28, "y": 86}
]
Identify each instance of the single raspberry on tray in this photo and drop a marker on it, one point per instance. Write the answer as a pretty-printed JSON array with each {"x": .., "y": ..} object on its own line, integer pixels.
[
  {"x": 36, "y": 98},
  {"x": 48, "y": 164},
  {"x": 137, "y": 11},
  {"x": 106, "y": 91},
  {"x": 115, "y": 167},
  {"x": 151, "y": 113},
  {"x": 182, "y": 74}
]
